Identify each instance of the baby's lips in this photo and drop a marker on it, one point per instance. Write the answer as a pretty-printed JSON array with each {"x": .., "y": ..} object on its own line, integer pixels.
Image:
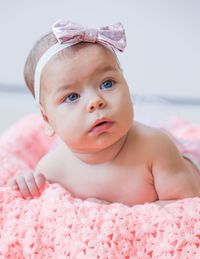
[{"x": 100, "y": 121}]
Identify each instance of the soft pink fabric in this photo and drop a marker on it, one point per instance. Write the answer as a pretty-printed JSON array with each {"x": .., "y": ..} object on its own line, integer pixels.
[{"x": 56, "y": 225}]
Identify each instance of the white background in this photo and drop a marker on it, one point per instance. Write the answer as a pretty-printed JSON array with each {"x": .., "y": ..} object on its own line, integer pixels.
[{"x": 163, "y": 52}]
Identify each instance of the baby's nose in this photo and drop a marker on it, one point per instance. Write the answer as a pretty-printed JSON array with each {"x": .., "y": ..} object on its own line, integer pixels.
[{"x": 96, "y": 103}]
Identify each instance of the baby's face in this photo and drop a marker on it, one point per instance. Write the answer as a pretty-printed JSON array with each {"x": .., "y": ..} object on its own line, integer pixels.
[{"x": 79, "y": 88}]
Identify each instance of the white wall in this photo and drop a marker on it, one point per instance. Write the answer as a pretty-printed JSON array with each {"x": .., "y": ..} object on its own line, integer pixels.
[{"x": 163, "y": 53}]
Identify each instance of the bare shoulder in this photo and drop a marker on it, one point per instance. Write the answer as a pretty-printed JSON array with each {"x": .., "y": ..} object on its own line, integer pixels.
[
  {"x": 49, "y": 164},
  {"x": 173, "y": 179},
  {"x": 156, "y": 143},
  {"x": 153, "y": 137},
  {"x": 157, "y": 138},
  {"x": 164, "y": 144}
]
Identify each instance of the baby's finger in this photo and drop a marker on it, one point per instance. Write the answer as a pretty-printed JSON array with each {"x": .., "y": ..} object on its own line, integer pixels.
[
  {"x": 32, "y": 186},
  {"x": 23, "y": 187},
  {"x": 12, "y": 183},
  {"x": 40, "y": 181}
]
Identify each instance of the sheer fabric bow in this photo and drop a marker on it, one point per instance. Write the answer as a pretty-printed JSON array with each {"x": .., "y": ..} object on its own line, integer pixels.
[{"x": 112, "y": 36}]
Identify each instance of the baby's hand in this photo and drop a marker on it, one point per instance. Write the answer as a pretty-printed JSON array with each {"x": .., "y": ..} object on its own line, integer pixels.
[{"x": 29, "y": 184}]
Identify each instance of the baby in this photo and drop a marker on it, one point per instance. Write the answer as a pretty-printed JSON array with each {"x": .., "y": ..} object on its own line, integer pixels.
[{"x": 76, "y": 79}]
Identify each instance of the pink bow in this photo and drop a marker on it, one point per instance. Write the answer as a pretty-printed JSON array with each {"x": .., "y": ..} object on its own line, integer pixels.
[{"x": 113, "y": 35}]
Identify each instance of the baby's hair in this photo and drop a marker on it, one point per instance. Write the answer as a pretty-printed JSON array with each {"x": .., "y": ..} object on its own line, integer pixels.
[{"x": 37, "y": 51}]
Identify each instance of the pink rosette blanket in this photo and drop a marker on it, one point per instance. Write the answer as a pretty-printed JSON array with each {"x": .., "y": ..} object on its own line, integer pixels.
[{"x": 56, "y": 225}]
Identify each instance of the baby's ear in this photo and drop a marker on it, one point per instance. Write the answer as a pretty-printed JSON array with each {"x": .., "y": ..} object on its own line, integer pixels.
[
  {"x": 45, "y": 118},
  {"x": 49, "y": 131}
]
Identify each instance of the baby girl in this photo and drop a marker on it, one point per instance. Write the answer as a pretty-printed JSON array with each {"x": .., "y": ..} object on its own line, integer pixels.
[{"x": 75, "y": 76}]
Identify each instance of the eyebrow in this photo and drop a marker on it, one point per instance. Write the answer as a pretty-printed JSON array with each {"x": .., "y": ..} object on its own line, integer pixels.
[
  {"x": 105, "y": 69},
  {"x": 96, "y": 71}
]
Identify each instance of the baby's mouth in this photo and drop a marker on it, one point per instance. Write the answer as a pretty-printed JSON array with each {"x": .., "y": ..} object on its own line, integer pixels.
[{"x": 101, "y": 125}]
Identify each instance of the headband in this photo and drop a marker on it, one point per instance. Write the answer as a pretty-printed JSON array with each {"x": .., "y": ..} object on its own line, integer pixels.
[{"x": 68, "y": 34}]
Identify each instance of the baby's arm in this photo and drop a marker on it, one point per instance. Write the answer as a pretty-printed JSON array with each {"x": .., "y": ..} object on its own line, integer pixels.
[{"x": 172, "y": 178}]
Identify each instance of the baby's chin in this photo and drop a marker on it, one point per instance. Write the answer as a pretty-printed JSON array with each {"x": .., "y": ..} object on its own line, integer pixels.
[
  {"x": 101, "y": 142},
  {"x": 91, "y": 148}
]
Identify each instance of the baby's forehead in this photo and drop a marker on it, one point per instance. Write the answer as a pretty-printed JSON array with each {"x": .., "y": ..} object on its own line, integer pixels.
[
  {"x": 85, "y": 50},
  {"x": 82, "y": 61}
]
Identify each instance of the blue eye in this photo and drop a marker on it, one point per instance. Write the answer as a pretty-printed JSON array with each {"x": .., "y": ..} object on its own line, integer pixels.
[
  {"x": 72, "y": 97},
  {"x": 107, "y": 84}
]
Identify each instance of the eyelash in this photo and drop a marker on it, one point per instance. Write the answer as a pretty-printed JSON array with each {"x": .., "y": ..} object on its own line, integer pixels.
[{"x": 78, "y": 95}]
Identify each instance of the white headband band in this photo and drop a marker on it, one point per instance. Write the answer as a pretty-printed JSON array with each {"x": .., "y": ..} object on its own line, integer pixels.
[{"x": 43, "y": 61}]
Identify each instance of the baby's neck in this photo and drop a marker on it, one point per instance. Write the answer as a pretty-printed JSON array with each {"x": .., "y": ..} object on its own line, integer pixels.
[{"x": 105, "y": 155}]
